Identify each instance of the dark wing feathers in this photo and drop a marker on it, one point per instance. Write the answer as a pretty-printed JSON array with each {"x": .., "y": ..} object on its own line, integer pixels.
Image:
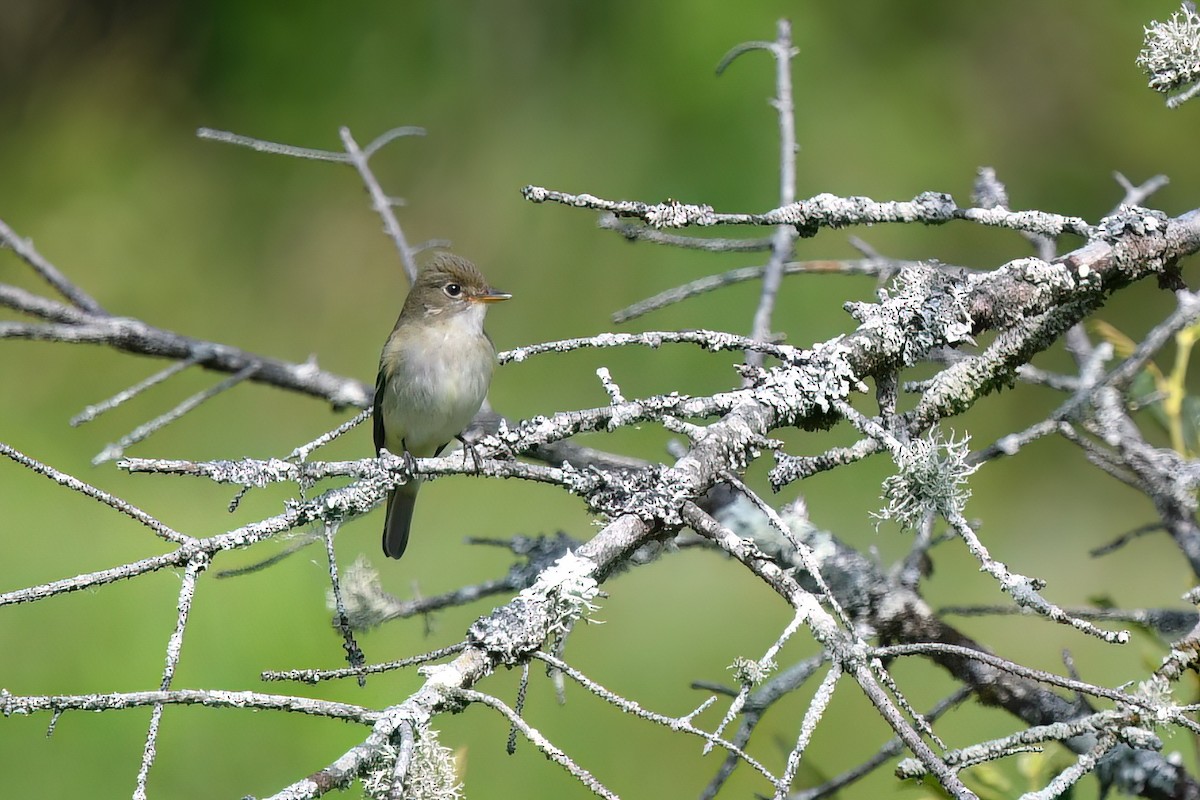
[{"x": 377, "y": 413}]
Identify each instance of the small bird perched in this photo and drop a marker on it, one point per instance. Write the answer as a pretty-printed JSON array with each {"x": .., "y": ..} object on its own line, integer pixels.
[{"x": 434, "y": 374}]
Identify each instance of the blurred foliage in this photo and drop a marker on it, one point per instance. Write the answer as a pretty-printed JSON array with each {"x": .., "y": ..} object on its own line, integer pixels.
[
  {"x": 100, "y": 166},
  {"x": 1164, "y": 395}
]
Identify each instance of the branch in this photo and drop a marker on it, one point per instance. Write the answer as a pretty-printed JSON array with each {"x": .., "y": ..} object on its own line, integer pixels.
[
  {"x": 784, "y": 239},
  {"x": 25, "y": 250},
  {"x": 213, "y": 698},
  {"x": 821, "y": 211}
]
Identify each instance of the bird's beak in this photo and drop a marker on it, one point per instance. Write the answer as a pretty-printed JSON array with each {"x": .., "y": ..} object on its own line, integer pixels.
[{"x": 492, "y": 296}]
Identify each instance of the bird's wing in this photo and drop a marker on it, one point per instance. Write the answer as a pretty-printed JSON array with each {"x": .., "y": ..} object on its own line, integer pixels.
[{"x": 377, "y": 412}]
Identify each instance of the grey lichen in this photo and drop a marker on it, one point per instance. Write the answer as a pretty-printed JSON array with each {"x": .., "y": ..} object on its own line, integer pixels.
[
  {"x": 1170, "y": 56},
  {"x": 925, "y": 308},
  {"x": 652, "y": 493},
  {"x": 432, "y": 772},
  {"x": 363, "y": 596},
  {"x": 931, "y": 477},
  {"x": 751, "y": 672},
  {"x": 673, "y": 214},
  {"x": 561, "y": 595},
  {"x": 809, "y": 388},
  {"x": 1139, "y": 238}
]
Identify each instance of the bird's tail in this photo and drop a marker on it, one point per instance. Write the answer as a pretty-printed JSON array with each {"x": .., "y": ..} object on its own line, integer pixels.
[{"x": 400, "y": 506}]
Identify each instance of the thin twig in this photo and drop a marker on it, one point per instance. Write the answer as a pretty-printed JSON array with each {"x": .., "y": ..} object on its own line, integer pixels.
[
  {"x": 212, "y": 698},
  {"x": 888, "y": 751},
  {"x": 302, "y": 452},
  {"x": 812, "y": 715},
  {"x": 708, "y": 283},
  {"x": 710, "y": 340},
  {"x": 137, "y": 337},
  {"x": 187, "y": 592},
  {"x": 770, "y": 692},
  {"x": 764, "y": 664},
  {"x": 683, "y": 723},
  {"x": 380, "y": 202},
  {"x": 258, "y": 472},
  {"x": 91, "y": 412},
  {"x": 314, "y": 676},
  {"x": 1024, "y": 590},
  {"x": 354, "y": 654},
  {"x": 640, "y": 233},
  {"x": 784, "y": 239},
  {"x": 539, "y": 741},
  {"x": 1136, "y": 195},
  {"x": 276, "y": 148},
  {"x": 28, "y": 253},
  {"x": 1041, "y": 676},
  {"x": 1126, "y": 538},
  {"x": 298, "y": 544},
  {"x": 821, "y": 211},
  {"x": 117, "y": 449},
  {"x": 87, "y": 490}
]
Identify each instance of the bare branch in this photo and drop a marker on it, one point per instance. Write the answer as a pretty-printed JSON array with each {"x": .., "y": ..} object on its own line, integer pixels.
[
  {"x": 187, "y": 592},
  {"x": 87, "y": 490},
  {"x": 784, "y": 239},
  {"x": 25, "y": 250},
  {"x": 380, "y": 202},
  {"x": 640, "y": 233},
  {"x": 708, "y": 283},
  {"x": 139, "y": 338},
  {"x": 683, "y": 723},
  {"x": 95, "y": 410},
  {"x": 275, "y": 148},
  {"x": 541, "y": 742},
  {"x": 821, "y": 211},
  {"x": 117, "y": 449},
  {"x": 212, "y": 698},
  {"x": 314, "y": 676},
  {"x": 713, "y": 341}
]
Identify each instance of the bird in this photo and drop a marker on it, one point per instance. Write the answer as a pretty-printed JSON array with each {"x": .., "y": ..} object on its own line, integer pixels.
[{"x": 434, "y": 373}]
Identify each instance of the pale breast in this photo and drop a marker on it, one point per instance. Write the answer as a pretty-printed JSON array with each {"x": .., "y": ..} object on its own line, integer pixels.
[{"x": 439, "y": 378}]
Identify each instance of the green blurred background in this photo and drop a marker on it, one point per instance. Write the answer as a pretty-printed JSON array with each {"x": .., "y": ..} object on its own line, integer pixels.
[{"x": 100, "y": 166}]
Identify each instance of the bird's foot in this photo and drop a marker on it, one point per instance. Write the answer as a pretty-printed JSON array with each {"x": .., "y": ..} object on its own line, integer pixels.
[
  {"x": 469, "y": 450},
  {"x": 410, "y": 463}
]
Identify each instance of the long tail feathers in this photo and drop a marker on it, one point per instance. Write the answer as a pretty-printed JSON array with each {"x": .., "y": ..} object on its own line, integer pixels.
[{"x": 400, "y": 506}]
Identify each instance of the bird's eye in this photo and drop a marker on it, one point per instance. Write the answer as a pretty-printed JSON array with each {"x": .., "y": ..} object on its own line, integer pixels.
[{"x": 453, "y": 289}]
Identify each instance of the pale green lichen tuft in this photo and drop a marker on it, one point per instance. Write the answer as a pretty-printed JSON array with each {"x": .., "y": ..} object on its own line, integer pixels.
[
  {"x": 432, "y": 773},
  {"x": 932, "y": 476},
  {"x": 749, "y": 672},
  {"x": 1171, "y": 53}
]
